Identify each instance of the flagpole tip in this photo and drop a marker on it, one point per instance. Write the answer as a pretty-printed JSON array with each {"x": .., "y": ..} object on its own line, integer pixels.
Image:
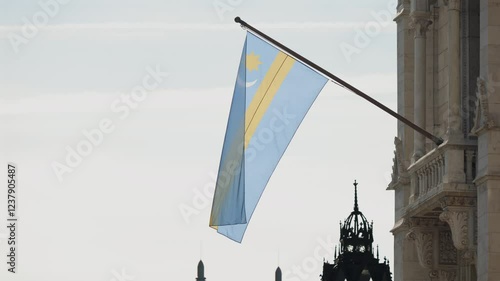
[{"x": 237, "y": 19}]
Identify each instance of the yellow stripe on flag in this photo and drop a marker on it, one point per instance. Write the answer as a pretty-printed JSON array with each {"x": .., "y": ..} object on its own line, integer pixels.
[
  {"x": 275, "y": 76},
  {"x": 272, "y": 81}
]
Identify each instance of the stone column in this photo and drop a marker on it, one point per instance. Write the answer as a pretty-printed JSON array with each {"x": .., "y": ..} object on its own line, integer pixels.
[
  {"x": 405, "y": 67},
  {"x": 488, "y": 179},
  {"x": 454, "y": 100},
  {"x": 420, "y": 22}
]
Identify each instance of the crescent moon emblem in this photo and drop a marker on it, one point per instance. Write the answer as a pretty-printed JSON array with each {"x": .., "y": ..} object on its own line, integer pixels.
[{"x": 250, "y": 84}]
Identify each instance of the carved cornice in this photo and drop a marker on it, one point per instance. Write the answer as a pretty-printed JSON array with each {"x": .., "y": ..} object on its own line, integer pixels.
[
  {"x": 457, "y": 201},
  {"x": 424, "y": 244},
  {"x": 425, "y": 222},
  {"x": 459, "y": 225}
]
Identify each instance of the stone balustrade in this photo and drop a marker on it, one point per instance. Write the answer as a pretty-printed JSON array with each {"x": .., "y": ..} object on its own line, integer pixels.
[{"x": 449, "y": 167}]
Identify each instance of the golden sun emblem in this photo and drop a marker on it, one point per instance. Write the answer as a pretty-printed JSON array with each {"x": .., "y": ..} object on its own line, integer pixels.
[{"x": 253, "y": 62}]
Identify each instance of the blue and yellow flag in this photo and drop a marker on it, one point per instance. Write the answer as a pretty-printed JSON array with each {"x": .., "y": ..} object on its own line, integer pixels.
[{"x": 273, "y": 93}]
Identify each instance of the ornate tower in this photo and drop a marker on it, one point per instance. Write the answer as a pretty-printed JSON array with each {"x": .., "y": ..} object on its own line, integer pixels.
[
  {"x": 356, "y": 261},
  {"x": 201, "y": 272}
]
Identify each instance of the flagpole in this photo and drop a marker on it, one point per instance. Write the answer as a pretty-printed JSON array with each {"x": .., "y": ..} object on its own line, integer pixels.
[{"x": 353, "y": 89}]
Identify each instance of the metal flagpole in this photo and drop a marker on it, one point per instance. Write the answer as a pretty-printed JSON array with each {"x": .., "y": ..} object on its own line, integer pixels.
[{"x": 341, "y": 82}]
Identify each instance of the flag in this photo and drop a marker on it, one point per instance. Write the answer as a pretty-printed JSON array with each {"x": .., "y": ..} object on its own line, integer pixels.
[{"x": 273, "y": 93}]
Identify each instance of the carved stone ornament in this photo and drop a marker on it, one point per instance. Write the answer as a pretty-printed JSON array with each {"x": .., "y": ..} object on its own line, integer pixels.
[
  {"x": 470, "y": 256},
  {"x": 459, "y": 225},
  {"x": 420, "y": 23},
  {"x": 399, "y": 169},
  {"x": 482, "y": 118},
  {"x": 425, "y": 222},
  {"x": 447, "y": 275},
  {"x": 447, "y": 252},
  {"x": 424, "y": 244},
  {"x": 457, "y": 201}
]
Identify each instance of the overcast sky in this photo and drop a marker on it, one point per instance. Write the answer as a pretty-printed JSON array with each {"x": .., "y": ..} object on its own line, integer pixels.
[{"x": 136, "y": 205}]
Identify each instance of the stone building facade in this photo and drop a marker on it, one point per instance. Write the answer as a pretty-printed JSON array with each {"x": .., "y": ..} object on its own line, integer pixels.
[{"x": 447, "y": 197}]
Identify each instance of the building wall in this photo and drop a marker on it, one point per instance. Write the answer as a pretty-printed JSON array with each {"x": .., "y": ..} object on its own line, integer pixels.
[{"x": 455, "y": 187}]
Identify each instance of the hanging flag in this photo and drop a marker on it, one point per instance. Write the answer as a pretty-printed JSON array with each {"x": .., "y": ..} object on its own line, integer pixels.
[{"x": 273, "y": 93}]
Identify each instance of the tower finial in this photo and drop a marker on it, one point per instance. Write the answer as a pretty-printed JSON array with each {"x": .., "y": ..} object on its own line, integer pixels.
[
  {"x": 356, "y": 209},
  {"x": 277, "y": 274},
  {"x": 201, "y": 272}
]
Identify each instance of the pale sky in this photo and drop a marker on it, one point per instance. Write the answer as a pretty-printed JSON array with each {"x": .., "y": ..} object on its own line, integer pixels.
[{"x": 118, "y": 214}]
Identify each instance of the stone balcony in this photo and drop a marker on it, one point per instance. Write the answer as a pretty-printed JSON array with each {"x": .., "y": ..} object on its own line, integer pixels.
[
  {"x": 445, "y": 171},
  {"x": 448, "y": 170},
  {"x": 436, "y": 209}
]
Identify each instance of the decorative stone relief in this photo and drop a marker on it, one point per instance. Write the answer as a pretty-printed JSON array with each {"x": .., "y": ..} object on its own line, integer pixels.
[
  {"x": 457, "y": 201},
  {"x": 434, "y": 274},
  {"x": 469, "y": 256},
  {"x": 399, "y": 168},
  {"x": 447, "y": 275},
  {"x": 456, "y": 212},
  {"x": 482, "y": 117},
  {"x": 447, "y": 252},
  {"x": 459, "y": 225},
  {"x": 420, "y": 22},
  {"x": 425, "y": 222},
  {"x": 423, "y": 241}
]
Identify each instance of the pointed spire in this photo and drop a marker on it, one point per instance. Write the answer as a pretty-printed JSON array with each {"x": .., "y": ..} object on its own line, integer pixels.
[
  {"x": 356, "y": 209},
  {"x": 377, "y": 253},
  {"x": 277, "y": 276},
  {"x": 201, "y": 271}
]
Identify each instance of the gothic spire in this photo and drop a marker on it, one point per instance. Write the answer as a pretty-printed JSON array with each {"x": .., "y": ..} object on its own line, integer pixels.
[
  {"x": 201, "y": 272},
  {"x": 277, "y": 276},
  {"x": 356, "y": 209}
]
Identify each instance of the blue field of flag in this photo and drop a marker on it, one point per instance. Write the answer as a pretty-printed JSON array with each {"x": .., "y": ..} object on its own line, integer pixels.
[{"x": 273, "y": 93}]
